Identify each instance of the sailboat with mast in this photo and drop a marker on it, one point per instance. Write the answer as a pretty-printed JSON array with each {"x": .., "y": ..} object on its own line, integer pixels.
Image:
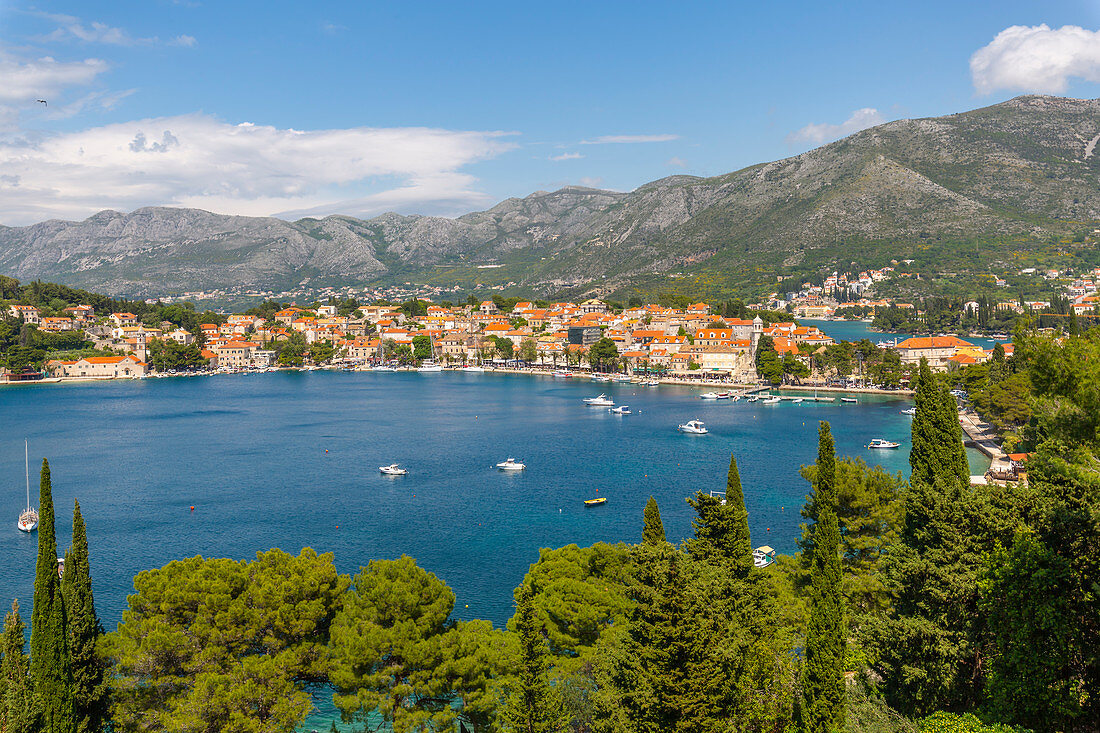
[{"x": 28, "y": 520}]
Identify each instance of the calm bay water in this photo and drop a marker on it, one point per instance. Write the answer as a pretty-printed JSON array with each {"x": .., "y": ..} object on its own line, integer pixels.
[
  {"x": 857, "y": 330},
  {"x": 291, "y": 460}
]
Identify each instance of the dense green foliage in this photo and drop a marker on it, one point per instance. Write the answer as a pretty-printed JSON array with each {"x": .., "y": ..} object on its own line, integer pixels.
[
  {"x": 19, "y": 711},
  {"x": 653, "y": 529},
  {"x": 51, "y": 672},
  {"x": 89, "y": 684},
  {"x": 826, "y": 632},
  {"x": 533, "y": 705},
  {"x": 165, "y": 355},
  {"x": 224, "y": 645}
]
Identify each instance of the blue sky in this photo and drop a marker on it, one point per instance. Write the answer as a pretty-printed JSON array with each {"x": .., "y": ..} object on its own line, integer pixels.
[{"x": 441, "y": 108}]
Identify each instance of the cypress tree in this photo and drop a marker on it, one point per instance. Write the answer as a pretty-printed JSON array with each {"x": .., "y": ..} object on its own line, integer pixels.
[
  {"x": 740, "y": 543},
  {"x": 89, "y": 684},
  {"x": 51, "y": 673},
  {"x": 533, "y": 705},
  {"x": 938, "y": 449},
  {"x": 653, "y": 530},
  {"x": 823, "y": 693},
  {"x": 18, "y": 713}
]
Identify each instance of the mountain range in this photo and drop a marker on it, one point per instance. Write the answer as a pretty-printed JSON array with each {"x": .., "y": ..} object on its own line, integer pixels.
[{"x": 974, "y": 187}]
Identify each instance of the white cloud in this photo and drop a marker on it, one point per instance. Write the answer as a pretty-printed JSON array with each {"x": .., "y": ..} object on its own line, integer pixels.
[
  {"x": 1036, "y": 59},
  {"x": 71, "y": 28},
  {"x": 676, "y": 163},
  {"x": 621, "y": 139},
  {"x": 817, "y": 134},
  {"x": 566, "y": 156},
  {"x": 197, "y": 160},
  {"x": 591, "y": 181},
  {"x": 23, "y": 81}
]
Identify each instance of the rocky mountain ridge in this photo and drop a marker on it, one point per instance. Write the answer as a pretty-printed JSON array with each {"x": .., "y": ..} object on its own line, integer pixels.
[{"x": 1015, "y": 173}]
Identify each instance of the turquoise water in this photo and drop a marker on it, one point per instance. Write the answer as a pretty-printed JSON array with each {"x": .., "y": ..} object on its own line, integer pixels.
[
  {"x": 291, "y": 460},
  {"x": 857, "y": 330}
]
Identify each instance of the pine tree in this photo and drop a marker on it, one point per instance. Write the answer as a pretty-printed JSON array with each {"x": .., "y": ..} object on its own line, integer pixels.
[
  {"x": 51, "y": 673},
  {"x": 653, "y": 530},
  {"x": 18, "y": 712},
  {"x": 533, "y": 706},
  {"x": 89, "y": 683},
  {"x": 826, "y": 633}
]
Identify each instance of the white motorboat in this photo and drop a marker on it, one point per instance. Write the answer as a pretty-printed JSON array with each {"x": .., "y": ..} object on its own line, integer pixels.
[
  {"x": 511, "y": 465},
  {"x": 473, "y": 369},
  {"x": 28, "y": 518},
  {"x": 601, "y": 401},
  {"x": 770, "y": 400},
  {"x": 911, "y": 411},
  {"x": 723, "y": 395},
  {"x": 393, "y": 470},
  {"x": 849, "y": 400},
  {"x": 883, "y": 443},
  {"x": 763, "y": 556},
  {"x": 382, "y": 368},
  {"x": 694, "y": 427},
  {"x": 601, "y": 378},
  {"x": 429, "y": 366},
  {"x": 709, "y": 396},
  {"x": 562, "y": 374},
  {"x": 653, "y": 383},
  {"x": 621, "y": 410},
  {"x": 623, "y": 379},
  {"x": 797, "y": 401}
]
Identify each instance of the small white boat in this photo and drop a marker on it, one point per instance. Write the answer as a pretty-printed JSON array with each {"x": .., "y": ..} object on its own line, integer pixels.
[
  {"x": 797, "y": 401},
  {"x": 653, "y": 383},
  {"x": 849, "y": 400},
  {"x": 601, "y": 401},
  {"x": 511, "y": 465},
  {"x": 883, "y": 443},
  {"x": 393, "y": 470},
  {"x": 28, "y": 518},
  {"x": 622, "y": 378},
  {"x": 910, "y": 411},
  {"x": 429, "y": 366},
  {"x": 621, "y": 410},
  {"x": 562, "y": 374},
  {"x": 473, "y": 369},
  {"x": 601, "y": 378},
  {"x": 763, "y": 556},
  {"x": 723, "y": 395},
  {"x": 694, "y": 427},
  {"x": 770, "y": 400},
  {"x": 709, "y": 396},
  {"x": 383, "y": 368}
]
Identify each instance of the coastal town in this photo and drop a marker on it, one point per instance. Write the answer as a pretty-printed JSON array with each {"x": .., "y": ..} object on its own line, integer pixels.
[{"x": 692, "y": 343}]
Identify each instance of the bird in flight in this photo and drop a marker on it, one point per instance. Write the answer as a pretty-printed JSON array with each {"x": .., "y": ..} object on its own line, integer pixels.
[{"x": 43, "y": 101}]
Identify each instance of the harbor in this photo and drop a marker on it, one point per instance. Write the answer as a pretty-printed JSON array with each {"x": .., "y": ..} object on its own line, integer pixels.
[{"x": 292, "y": 459}]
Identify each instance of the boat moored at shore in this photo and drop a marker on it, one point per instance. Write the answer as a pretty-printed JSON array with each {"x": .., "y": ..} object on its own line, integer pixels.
[{"x": 883, "y": 443}]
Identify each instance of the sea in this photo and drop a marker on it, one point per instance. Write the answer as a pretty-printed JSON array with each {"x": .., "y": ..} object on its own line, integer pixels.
[
  {"x": 232, "y": 465},
  {"x": 858, "y": 330}
]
